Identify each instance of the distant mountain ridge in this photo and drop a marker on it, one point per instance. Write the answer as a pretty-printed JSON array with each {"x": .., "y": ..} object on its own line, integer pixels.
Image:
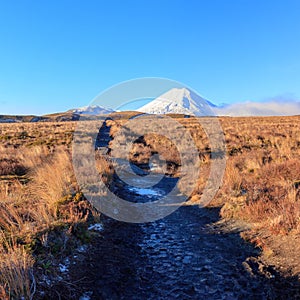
[
  {"x": 56, "y": 117},
  {"x": 82, "y": 113},
  {"x": 175, "y": 101},
  {"x": 92, "y": 110}
]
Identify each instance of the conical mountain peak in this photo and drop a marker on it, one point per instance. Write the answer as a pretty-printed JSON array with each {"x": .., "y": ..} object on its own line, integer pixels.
[{"x": 179, "y": 101}]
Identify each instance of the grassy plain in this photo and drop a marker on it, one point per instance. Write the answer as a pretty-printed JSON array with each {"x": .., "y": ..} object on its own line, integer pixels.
[{"x": 43, "y": 213}]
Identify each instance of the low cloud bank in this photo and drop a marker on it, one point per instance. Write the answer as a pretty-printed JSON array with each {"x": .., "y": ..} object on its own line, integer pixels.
[{"x": 267, "y": 108}]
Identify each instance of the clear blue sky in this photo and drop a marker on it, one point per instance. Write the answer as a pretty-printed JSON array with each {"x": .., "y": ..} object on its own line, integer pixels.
[{"x": 56, "y": 55}]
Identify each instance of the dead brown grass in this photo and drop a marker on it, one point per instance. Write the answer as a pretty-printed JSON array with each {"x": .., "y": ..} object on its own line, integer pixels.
[
  {"x": 38, "y": 190},
  {"x": 38, "y": 193},
  {"x": 261, "y": 185},
  {"x": 25, "y": 211},
  {"x": 261, "y": 181},
  {"x": 16, "y": 267}
]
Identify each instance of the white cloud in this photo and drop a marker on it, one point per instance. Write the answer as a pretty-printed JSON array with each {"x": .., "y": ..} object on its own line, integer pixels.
[{"x": 272, "y": 107}]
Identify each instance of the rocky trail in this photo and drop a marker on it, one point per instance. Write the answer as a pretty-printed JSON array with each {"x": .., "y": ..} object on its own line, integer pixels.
[{"x": 176, "y": 257}]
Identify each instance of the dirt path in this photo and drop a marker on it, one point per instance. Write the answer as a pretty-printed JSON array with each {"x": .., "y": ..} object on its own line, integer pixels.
[{"x": 175, "y": 258}]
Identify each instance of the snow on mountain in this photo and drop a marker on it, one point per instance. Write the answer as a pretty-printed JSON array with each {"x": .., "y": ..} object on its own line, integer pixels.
[
  {"x": 92, "y": 110},
  {"x": 184, "y": 101},
  {"x": 179, "y": 101}
]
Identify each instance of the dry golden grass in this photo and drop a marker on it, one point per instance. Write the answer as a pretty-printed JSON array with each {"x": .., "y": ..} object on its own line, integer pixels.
[
  {"x": 38, "y": 190},
  {"x": 261, "y": 183},
  {"x": 25, "y": 211},
  {"x": 48, "y": 134},
  {"x": 38, "y": 193},
  {"x": 16, "y": 267},
  {"x": 261, "y": 180}
]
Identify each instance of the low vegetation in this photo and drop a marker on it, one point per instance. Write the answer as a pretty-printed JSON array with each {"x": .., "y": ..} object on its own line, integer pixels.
[
  {"x": 44, "y": 215},
  {"x": 261, "y": 186}
]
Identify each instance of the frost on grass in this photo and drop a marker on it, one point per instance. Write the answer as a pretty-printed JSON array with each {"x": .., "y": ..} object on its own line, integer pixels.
[{"x": 96, "y": 227}]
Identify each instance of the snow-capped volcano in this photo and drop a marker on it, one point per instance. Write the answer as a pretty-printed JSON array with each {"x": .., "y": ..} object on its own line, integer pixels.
[
  {"x": 92, "y": 110},
  {"x": 179, "y": 101}
]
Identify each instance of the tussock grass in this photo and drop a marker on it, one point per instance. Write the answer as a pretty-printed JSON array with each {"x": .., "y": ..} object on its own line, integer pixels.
[
  {"x": 38, "y": 193},
  {"x": 262, "y": 175},
  {"x": 16, "y": 266},
  {"x": 261, "y": 183}
]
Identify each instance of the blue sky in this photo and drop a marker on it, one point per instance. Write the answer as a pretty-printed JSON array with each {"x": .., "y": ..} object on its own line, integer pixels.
[{"x": 56, "y": 55}]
